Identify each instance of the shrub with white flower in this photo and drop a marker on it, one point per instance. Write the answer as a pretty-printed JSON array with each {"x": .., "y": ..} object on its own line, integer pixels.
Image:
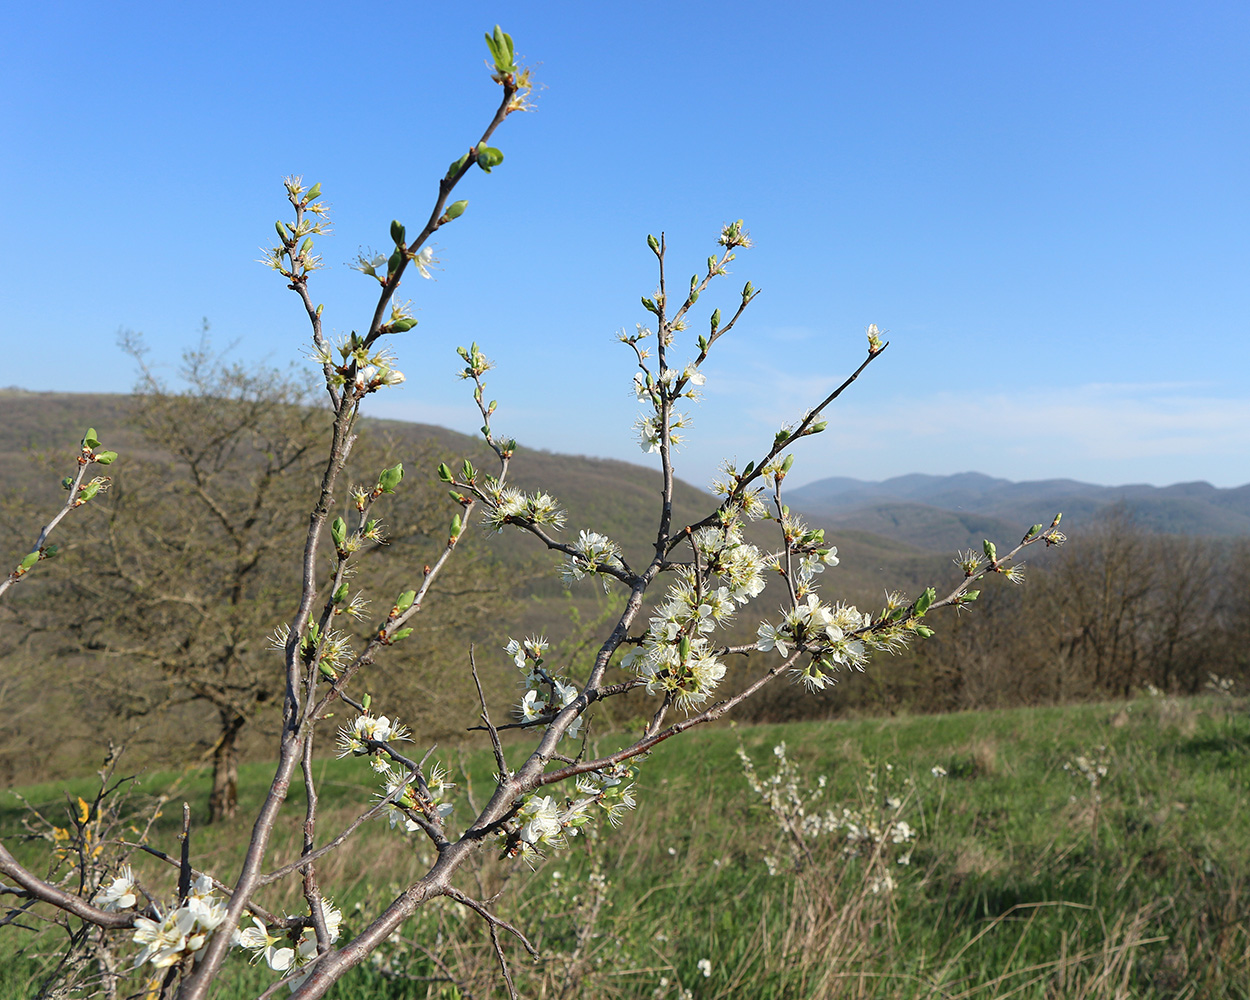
[{"x": 670, "y": 637}]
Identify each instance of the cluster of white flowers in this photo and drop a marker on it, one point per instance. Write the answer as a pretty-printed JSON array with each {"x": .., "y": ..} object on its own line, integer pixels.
[
  {"x": 543, "y": 822},
  {"x": 648, "y": 428},
  {"x": 402, "y": 796},
  {"x": 509, "y": 506},
  {"x": 825, "y": 632},
  {"x": 1218, "y": 684},
  {"x": 674, "y": 656},
  {"x": 1092, "y": 767},
  {"x": 874, "y": 829},
  {"x": 281, "y": 953},
  {"x": 183, "y": 931},
  {"x": 367, "y": 369},
  {"x": 545, "y": 693},
  {"x": 647, "y": 387},
  {"x": 353, "y": 739},
  {"x": 594, "y": 553},
  {"x": 723, "y": 553}
]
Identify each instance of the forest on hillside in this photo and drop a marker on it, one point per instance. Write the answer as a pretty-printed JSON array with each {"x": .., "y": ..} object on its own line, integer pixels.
[{"x": 152, "y": 625}]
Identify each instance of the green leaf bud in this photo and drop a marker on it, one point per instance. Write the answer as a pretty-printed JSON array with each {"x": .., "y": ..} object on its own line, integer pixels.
[
  {"x": 390, "y": 478},
  {"x": 1033, "y": 531},
  {"x": 89, "y": 440},
  {"x": 923, "y": 631},
  {"x": 650, "y": 306},
  {"x": 314, "y": 192},
  {"x": 924, "y": 601},
  {"x": 340, "y": 595},
  {"x": 392, "y": 265},
  {"x": 456, "y": 209},
  {"x": 87, "y": 492},
  {"x": 106, "y": 458},
  {"x": 456, "y": 527},
  {"x": 653, "y": 243},
  {"x": 397, "y": 232},
  {"x": 338, "y": 532},
  {"x": 67, "y": 483},
  {"x": 683, "y": 648},
  {"x": 402, "y": 325},
  {"x": 457, "y": 165},
  {"x": 366, "y": 701},
  {"x": 280, "y": 226},
  {"x": 28, "y": 562},
  {"x": 444, "y": 473},
  {"x": 403, "y": 633},
  {"x": 748, "y": 291},
  {"x": 307, "y": 245},
  {"x": 816, "y": 428},
  {"x": 715, "y": 319},
  {"x": 404, "y": 601},
  {"x": 694, "y": 296},
  {"x": 787, "y": 464},
  {"x": 991, "y": 550},
  {"x": 50, "y": 552},
  {"x": 467, "y": 470},
  {"x": 488, "y": 157},
  {"x": 327, "y": 671},
  {"x": 970, "y": 595}
]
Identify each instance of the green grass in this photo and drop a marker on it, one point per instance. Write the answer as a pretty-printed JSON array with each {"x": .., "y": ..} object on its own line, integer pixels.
[{"x": 1006, "y": 893}]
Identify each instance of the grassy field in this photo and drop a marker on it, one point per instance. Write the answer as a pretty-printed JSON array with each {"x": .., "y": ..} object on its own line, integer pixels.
[{"x": 1026, "y": 879}]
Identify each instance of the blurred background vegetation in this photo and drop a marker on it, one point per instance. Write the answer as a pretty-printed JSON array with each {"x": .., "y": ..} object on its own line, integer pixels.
[{"x": 152, "y": 624}]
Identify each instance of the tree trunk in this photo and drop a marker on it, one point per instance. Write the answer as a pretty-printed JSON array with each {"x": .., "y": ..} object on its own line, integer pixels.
[{"x": 224, "y": 801}]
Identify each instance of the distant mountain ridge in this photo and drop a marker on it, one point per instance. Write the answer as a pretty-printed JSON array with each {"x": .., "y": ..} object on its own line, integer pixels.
[{"x": 934, "y": 511}]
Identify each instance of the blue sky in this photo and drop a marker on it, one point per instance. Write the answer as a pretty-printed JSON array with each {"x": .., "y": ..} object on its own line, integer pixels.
[{"x": 1044, "y": 204}]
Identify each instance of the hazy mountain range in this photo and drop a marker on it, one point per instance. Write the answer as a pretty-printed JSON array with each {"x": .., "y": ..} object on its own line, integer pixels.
[
  {"x": 937, "y": 513},
  {"x": 941, "y": 511}
]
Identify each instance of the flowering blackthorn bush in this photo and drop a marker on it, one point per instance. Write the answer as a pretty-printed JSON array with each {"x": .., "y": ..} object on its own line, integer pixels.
[{"x": 667, "y": 641}]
